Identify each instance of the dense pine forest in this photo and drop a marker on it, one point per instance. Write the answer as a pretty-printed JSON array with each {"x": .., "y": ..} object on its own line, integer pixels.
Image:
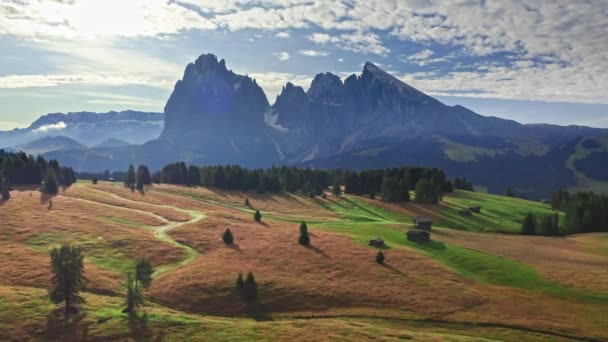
[{"x": 23, "y": 169}]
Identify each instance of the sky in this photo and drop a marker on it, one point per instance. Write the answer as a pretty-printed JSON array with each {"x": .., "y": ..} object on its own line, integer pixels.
[{"x": 530, "y": 61}]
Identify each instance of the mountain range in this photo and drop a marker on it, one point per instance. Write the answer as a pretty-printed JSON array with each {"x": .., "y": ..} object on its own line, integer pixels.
[{"x": 370, "y": 120}]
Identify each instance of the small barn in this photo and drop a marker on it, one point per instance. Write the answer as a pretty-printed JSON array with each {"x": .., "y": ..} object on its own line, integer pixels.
[
  {"x": 418, "y": 236},
  {"x": 475, "y": 209},
  {"x": 465, "y": 212},
  {"x": 377, "y": 242},
  {"x": 423, "y": 222}
]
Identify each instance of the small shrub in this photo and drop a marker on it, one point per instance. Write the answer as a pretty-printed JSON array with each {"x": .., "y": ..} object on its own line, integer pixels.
[
  {"x": 227, "y": 237},
  {"x": 94, "y": 180},
  {"x": 380, "y": 257}
]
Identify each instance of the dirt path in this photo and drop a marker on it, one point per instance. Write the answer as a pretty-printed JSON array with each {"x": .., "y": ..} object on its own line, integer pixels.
[{"x": 160, "y": 232}]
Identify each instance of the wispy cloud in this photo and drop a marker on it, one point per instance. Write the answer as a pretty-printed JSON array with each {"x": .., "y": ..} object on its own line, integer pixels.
[
  {"x": 313, "y": 53},
  {"x": 282, "y": 56},
  {"x": 51, "y": 127}
]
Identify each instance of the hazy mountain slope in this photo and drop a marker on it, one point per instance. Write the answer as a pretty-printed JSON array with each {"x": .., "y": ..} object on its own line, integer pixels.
[{"x": 89, "y": 128}]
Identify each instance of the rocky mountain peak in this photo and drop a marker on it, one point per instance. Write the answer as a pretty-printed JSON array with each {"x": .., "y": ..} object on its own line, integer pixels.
[{"x": 326, "y": 85}]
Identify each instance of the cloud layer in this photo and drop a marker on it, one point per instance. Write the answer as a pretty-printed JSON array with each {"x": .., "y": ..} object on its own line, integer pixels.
[{"x": 554, "y": 50}]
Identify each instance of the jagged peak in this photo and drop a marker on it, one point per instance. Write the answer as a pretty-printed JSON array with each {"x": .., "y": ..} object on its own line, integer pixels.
[{"x": 324, "y": 83}]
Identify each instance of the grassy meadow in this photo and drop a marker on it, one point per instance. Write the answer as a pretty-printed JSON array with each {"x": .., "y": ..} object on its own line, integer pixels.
[{"x": 476, "y": 280}]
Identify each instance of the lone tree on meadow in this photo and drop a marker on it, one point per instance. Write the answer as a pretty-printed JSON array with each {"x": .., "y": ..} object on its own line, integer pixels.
[
  {"x": 528, "y": 226},
  {"x": 380, "y": 257},
  {"x": 228, "y": 237},
  {"x": 304, "y": 239},
  {"x": 134, "y": 297},
  {"x": 94, "y": 180},
  {"x": 257, "y": 216},
  {"x": 143, "y": 177},
  {"x": 509, "y": 193},
  {"x": 68, "y": 276},
  {"x": 50, "y": 186},
  {"x": 250, "y": 288},
  {"x": 247, "y": 202},
  {"x": 143, "y": 273}
]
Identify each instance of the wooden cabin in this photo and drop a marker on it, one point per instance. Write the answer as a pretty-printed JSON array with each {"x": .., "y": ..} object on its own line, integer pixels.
[
  {"x": 418, "y": 236},
  {"x": 377, "y": 242},
  {"x": 475, "y": 209},
  {"x": 423, "y": 222},
  {"x": 465, "y": 212}
]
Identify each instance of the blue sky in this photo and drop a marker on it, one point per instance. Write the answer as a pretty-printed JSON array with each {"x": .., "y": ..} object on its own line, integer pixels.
[{"x": 539, "y": 62}]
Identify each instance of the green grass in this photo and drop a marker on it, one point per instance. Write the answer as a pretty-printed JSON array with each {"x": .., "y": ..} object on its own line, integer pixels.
[
  {"x": 96, "y": 250},
  {"x": 122, "y": 221},
  {"x": 363, "y": 222},
  {"x": 498, "y": 213}
]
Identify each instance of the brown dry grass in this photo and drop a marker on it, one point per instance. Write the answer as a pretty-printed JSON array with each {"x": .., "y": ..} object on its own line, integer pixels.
[
  {"x": 332, "y": 277},
  {"x": 70, "y": 219}
]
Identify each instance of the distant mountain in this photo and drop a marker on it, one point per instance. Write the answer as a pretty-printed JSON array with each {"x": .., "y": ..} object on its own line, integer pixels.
[
  {"x": 50, "y": 144},
  {"x": 113, "y": 142},
  {"x": 366, "y": 121},
  {"x": 89, "y": 128}
]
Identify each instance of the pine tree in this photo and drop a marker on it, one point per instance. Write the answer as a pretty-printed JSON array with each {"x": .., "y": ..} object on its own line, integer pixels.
[
  {"x": 250, "y": 288},
  {"x": 5, "y": 188},
  {"x": 227, "y": 237},
  {"x": 194, "y": 175},
  {"x": 528, "y": 226},
  {"x": 509, "y": 193},
  {"x": 247, "y": 202},
  {"x": 257, "y": 216},
  {"x": 426, "y": 192},
  {"x": 134, "y": 297},
  {"x": 94, "y": 180},
  {"x": 380, "y": 257},
  {"x": 68, "y": 276},
  {"x": 372, "y": 194},
  {"x": 143, "y": 273},
  {"x": 336, "y": 188},
  {"x": 130, "y": 180},
  {"x": 240, "y": 283},
  {"x": 304, "y": 238},
  {"x": 50, "y": 186}
]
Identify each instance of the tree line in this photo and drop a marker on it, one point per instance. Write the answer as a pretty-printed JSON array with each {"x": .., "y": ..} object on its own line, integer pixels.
[
  {"x": 586, "y": 212},
  {"x": 22, "y": 169}
]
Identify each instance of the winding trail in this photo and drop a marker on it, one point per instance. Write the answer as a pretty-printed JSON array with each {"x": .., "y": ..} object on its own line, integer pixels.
[{"x": 160, "y": 232}]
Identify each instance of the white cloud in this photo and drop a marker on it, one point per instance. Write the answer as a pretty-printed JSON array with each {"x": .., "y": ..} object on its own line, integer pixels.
[
  {"x": 340, "y": 60},
  {"x": 559, "y": 47},
  {"x": 282, "y": 56},
  {"x": 365, "y": 43},
  {"x": 422, "y": 54},
  {"x": 313, "y": 53},
  {"x": 51, "y": 127}
]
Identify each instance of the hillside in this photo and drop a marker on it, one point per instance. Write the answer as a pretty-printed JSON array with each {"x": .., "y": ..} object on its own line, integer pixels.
[{"x": 472, "y": 281}]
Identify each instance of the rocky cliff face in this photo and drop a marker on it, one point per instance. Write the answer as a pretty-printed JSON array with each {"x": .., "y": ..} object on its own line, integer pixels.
[{"x": 218, "y": 114}]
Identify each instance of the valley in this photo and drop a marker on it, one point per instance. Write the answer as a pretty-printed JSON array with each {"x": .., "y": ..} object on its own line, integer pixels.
[{"x": 476, "y": 278}]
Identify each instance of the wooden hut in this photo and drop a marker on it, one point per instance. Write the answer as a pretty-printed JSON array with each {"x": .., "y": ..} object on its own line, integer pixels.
[
  {"x": 423, "y": 222},
  {"x": 475, "y": 209},
  {"x": 377, "y": 242},
  {"x": 465, "y": 212},
  {"x": 418, "y": 236}
]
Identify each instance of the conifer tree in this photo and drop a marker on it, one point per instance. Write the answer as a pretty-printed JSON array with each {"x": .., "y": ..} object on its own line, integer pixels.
[
  {"x": 143, "y": 273},
  {"x": 304, "y": 238},
  {"x": 509, "y": 193},
  {"x": 257, "y": 216},
  {"x": 240, "y": 283},
  {"x": 337, "y": 190},
  {"x": 247, "y": 202},
  {"x": 250, "y": 288},
  {"x": 130, "y": 180},
  {"x": 68, "y": 279},
  {"x": 134, "y": 297},
  {"x": 227, "y": 237},
  {"x": 50, "y": 186},
  {"x": 5, "y": 188},
  {"x": 528, "y": 226},
  {"x": 380, "y": 257}
]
